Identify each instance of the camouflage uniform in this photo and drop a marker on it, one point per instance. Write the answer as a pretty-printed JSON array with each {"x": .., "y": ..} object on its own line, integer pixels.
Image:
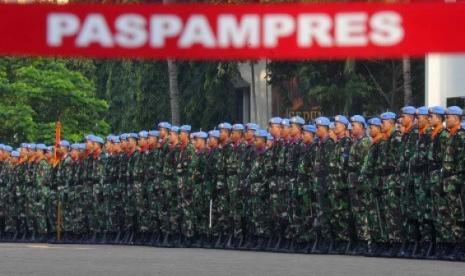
[
  {"x": 358, "y": 191},
  {"x": 154, "y": 167},
  {"x": 169, "y": 211},
  {"x": 97, "y": 216},
  {"x": 391, "y": 187},
  {"x": 185, "y": 168},
  {"x": 216, "y": 172},
  {"x": 304, "y": 213},
  {"x": 41, "y": 198},
  {"x": 280, "y": 193},
  {"x": 322, "y": 224},
  {"x": 440, "y": 208},
  {"x": 339, "y": 190},
  {"x": 454, "y": 188},
  {"x": 201, "y": 194}
]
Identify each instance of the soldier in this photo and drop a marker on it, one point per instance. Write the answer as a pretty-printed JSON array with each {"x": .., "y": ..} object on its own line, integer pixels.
[
  {"x": 222, "y": 225},
  {"x": 153, "y": 185},
  {"x": 436, "y": 153},
  {"x": 358, "y": 191},
  {"x": 340, "y": 217},
  {"x": 5, "y": 165},
  {"x": 213, "y": 175},
  {"x": 42, "y": 226},
  {"x": 305, "y": 198},
  {"x": 95, "y": 178},
  {"x": 185, "y": 168},
  {"x": 201, "y": 192},
  {"x": 410, "y": 227},
  {"x": 169, "y": 212},
  {"x": 390, "y": 179},
  {"x": 420, "y": 175},
  {"x": 291, "y": 171},
  {"x": 237, "y": 192},
  {"x": 68, "y": 178},
  {"x": 258, "y": 199},
  {"x": 453, "y": 180},
  {"x": 324, "y": 152},
  {"x": 371, "y": 172},
  {"x": 275, "y": 189},
  {"x": 141, "y": 192},
  {"x": 9, "y": 196}
]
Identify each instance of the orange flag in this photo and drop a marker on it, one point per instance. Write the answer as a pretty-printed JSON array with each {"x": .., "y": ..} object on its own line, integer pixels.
[{"x": 56, "y": 158}]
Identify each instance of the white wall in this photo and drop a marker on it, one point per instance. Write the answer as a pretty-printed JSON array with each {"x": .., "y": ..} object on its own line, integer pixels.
[
  {"x": 260, "y": 110},
  {"x": 445, "y": 78}
]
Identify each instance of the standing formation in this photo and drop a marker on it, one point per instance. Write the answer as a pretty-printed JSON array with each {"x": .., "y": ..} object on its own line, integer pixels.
[{"x": 393, "y": 185}]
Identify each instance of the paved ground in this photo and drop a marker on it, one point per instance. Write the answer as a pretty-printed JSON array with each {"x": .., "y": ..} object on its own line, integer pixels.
[{"x": 48, "y": 260}]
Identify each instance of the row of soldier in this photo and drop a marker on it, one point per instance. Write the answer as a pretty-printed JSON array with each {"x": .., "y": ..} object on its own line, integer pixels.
[{"x": 322, "y": 187}]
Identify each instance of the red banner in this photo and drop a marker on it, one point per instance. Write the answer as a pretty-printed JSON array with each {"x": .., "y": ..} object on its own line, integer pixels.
[{"x": 188, "y": 31}]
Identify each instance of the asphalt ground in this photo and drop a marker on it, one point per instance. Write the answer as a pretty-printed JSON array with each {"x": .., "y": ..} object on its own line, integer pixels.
[{"x": 72, "y": 259}]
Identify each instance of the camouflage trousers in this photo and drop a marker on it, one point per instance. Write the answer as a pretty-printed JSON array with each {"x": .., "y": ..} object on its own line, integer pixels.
[
  {"x": 322, "y": 223},
  {"x": 152, "y": 205},
  {"x": 236, "y": 205},
  {"x": 97, "y": 215},
  {"x": 340, "y": 208},
  {"x": 454, "y": 189},
  {"x": 220, "y": 221},
  {"x": 393, "y": 195},
  {"x": 424, "y": 205},
  {"x": 358, "y": 196},
  {"x": 169, "y": 215},
  {"x": 279, "y": 195},
  {"x": 115, "y": 207},
  {"x": 375, "y": 211},
  {"x": 259, "y": 212},
  {"x": 186, "y": 206},
  {"x": 302, "y": 209},
  {"x": 201, "y": 201}
]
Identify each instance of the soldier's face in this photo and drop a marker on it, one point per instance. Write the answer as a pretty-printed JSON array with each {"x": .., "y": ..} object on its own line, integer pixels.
[
  {"x": 307, "y": 137},
  {"x": 374, "y": 131},
  {"x": 174, "y": 137},
  {"x": 285, "y": 131},
  {"x": 452, "y": 121},
  {"x": 199, "y": 143},
  {"x": 322, "y": 131},
  {"x": 269, "y": 143},
  {"x": 275, "y": 130},
  {"x": 184, "y": 137},
  {"x": 260, "y": 142},
  {"x": 386, "y": 125},
  {"x": 357, "y": 129},
  {"x": 212, "y": 142},
  {"x": 407, "y": 120},
  {"x": 249, "y": 134},
  {"x": 435, "y": 120},
  {"x": 74, "y": 154},
  {"x": 224, "y": 134},
  {"x": 295, "y": 129},
  {"x": 339, "y": 128},
  {"x": 151, "y": 140},
  {"x": 142, "y": 142},
  {"x": 236, "y": 135},
  {"x": 423, "y": 121},
  {"x": 89, "y": 146}
]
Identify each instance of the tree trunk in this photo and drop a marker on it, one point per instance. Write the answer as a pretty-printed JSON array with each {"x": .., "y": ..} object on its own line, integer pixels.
[
  {"x": 407, "y": 81},
  {"x": 174, "y": 91}
]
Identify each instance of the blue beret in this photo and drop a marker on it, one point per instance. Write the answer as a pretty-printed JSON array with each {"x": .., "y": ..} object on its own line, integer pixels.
[
  {"x": 15, "y": 153},
  {"x": 261, "y": 133},
  {"x": 341, "y": 119},
  {"x": 24, "y": 145},
  {"x": 201, "y": 135},
  {"x": 41, "y": 147},
  {"x": 374, "y": 121},
  {"x": 462, "y": 125},
  {"x": 154, "y": 133},
  {"x": 133, "y": 135},
  {"x": 185, "y": 128},
  {"x": 358, "y": 119},
  {"x": 214, "y": 133},
  {"x": 89, "y": 137},
  {"x": 276, "y": 120},
  {"x": 50, "y": 148},
  {"x": 454, "y": 110},
  {"x": 110, "y": 137},
  {"x": 82, "y": 146},
  {"x": 309, "y": 128},
  {"x": 164, "y": 125},
  {"x": 252, "y": 126},
  {"x": 269, "y": 137},
  {"x": 97, "y": 139},
  {"x": 297, "y": 120},
  {"x": 410, "y": 110},
  {"x": 64, "y": 143},
  {"x": 238, "y": 127},
  {"x": 322, "y": 121},
  {"x": 75, "y": 146},
  {"x": 8, "y": 148},
  {"x": 332, "y": 125},
  {"x": 349, "y": 126},
  {"x": 439, "y": 110},
  {"x": 143, "y": 134},
  {"x": 423, "y": 110},
  {"x": 123, "y": 136},
  {"x": 31, "y": 146},
  {"x": 225, "y": 126},
  {"x": 285, "y": 122},
  {"x": 2, "y": 146},
  {"x": 116, "y": 140},
  {"x": 175, "y": 129},
  {"x": 388, "y": 116}
]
